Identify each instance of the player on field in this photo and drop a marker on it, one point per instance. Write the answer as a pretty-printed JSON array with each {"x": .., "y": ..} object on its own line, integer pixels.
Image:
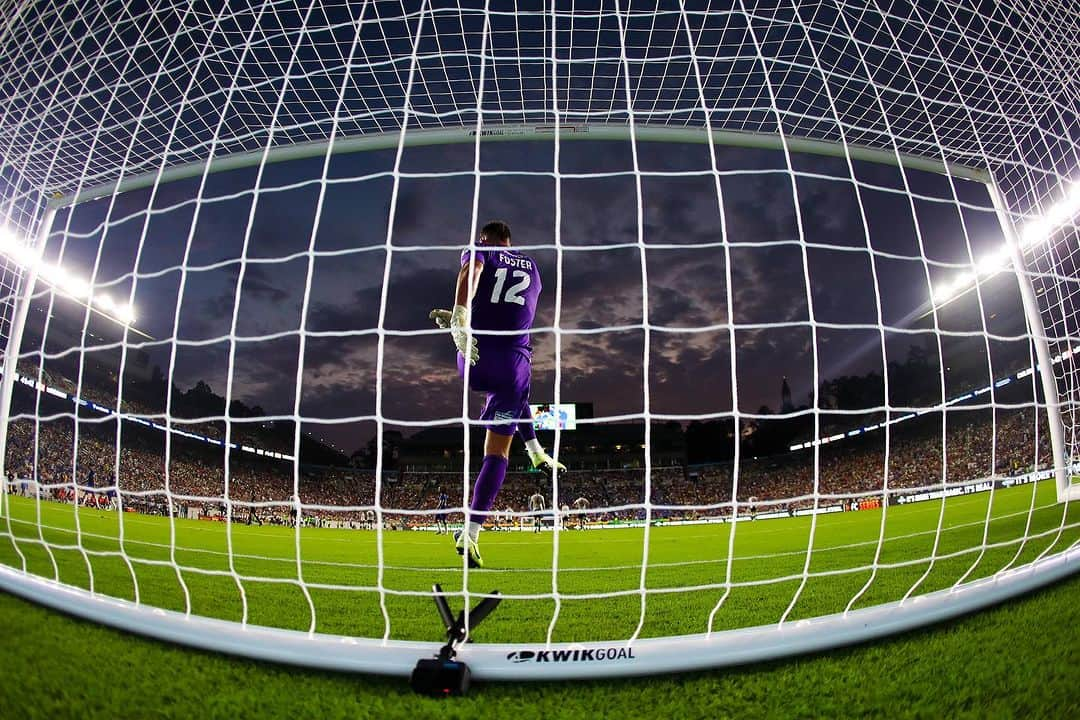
[
  {"x": 440, "y": 518},
  {"x": 581, "y": 505},
  {"x": 497, "y": 290},
  {"x": 536, "y": 505},
  {"x": 253, "y": 517}
]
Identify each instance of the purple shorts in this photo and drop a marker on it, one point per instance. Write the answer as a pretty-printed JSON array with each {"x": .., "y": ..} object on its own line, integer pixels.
[{"x": 504, "y": 374}]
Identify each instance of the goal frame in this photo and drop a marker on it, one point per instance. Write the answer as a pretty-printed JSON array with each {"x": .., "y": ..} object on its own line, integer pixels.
[
  {"x": 20, "y": 308},
  {"x": 493, "y": 661},
  {"x": 520, "y": 132},
  {"x": 1037, "y": 332}
]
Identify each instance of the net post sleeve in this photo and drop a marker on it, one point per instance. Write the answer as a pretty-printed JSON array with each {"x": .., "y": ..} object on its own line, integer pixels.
[
  {"x": 1038, "y": 338},
  {"x": 21, "y": 301}
]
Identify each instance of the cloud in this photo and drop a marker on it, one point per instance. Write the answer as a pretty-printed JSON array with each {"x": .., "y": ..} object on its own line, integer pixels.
[
  {"x": 601, "y": 286},
  {"x": 262, "y": 283}
]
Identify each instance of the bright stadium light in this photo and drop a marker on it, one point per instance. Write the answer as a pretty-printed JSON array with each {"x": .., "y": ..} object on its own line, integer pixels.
[
  {"x": 8, "y": 239},
  {"x": 994, "y": 262},
  {"x": 78, "y": 288},
  {"x": 1035, "y": 231},
  {"x": 19, "y": 252},
  {"x": 124, "y": 313},
  {"x": 60, "y": 279},
  {"x": 943, "y": 293},
  {"x": 54, "y": 275}
]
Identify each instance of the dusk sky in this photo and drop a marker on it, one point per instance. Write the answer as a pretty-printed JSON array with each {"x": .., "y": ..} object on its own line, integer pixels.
[
  {"x": 188, "y": 81},
  {"x": 601, "y": 288}
]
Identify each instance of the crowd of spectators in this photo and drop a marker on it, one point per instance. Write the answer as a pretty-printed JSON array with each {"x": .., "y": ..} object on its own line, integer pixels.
[
  {"x": 241, "y": 432},
  {"x": 72, "y": 460},
  {"x": 61, "y": 464},
  {"x": 977, "y": 444}
]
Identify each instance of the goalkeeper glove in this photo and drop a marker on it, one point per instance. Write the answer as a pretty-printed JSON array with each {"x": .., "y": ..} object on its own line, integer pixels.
[
  {"x": 458, "y": 320},
  {"x": 441, "y": 317},
  {"x": 545, "y": 463}
]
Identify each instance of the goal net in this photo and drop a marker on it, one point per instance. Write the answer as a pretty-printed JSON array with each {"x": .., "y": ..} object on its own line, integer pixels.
[{"x": 807, "y": 342}]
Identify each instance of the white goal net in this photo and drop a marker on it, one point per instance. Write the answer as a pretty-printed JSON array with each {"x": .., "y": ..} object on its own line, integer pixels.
[{"x": 806, "y": 342}]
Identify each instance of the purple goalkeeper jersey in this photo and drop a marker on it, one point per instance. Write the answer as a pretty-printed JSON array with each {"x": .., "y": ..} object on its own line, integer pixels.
[{"x": 506, "y": 297}]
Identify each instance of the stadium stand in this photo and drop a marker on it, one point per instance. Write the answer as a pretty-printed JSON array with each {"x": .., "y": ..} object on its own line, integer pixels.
[{"x": 43, "y": 457}]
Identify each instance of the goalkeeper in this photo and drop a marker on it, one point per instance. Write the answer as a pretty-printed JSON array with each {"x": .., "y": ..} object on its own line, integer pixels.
[{"x": 497, "y": 290}]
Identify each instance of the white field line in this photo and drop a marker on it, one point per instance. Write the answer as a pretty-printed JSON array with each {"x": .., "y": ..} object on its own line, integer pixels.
[
  {"x": 601, "y": 568},
  {"x": 835, "y": 520}
]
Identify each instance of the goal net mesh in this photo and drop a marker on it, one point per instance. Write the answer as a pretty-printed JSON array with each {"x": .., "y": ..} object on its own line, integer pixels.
[{"x": 805, "y": 265}]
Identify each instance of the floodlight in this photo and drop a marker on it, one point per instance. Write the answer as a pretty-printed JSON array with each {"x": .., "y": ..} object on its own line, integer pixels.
[
  {"x": 1036, "y": 230},
  {"x": 78, "y": 288},
  {"x": 54, "y": 275},
  {"x": 994, "y": 262},
  {"x": 1063, "y": 210},
  {"x": 124, "y": 313},
  {"x": 19, "y": 252},
  {"x": 8, "y": 240}
]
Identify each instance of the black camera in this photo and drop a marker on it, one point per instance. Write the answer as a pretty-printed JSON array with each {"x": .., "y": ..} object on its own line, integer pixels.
[
  {"x": 444, "y": 676},
  {"x": 440, "y": 678}
]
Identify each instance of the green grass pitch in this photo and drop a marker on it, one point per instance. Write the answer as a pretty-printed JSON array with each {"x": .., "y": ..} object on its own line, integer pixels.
[{"x": 590, "y": 563}]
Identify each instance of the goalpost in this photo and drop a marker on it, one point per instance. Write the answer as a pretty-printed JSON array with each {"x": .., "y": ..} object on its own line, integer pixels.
[{"x": 132, "y": 131}]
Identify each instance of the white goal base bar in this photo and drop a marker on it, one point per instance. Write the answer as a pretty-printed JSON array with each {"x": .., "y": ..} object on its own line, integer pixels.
[{"x": 539, "y": 661}]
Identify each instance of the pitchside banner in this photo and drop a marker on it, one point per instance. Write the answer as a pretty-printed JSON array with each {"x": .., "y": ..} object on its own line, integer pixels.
[{"x": 970, "y": 488}]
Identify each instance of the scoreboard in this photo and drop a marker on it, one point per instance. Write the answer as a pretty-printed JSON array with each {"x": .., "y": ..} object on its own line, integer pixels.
[{"x": 548, "y": 416}]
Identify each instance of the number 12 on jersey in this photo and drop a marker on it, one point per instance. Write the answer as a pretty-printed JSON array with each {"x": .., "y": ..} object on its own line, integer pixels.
[{"x": 513, "y": 293}]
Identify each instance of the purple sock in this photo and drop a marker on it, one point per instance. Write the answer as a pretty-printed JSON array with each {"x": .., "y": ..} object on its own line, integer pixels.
[{"x": 488, "y": 483}]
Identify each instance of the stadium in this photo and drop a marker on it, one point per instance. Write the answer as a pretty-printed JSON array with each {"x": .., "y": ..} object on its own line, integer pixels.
[{"x": 792, "y": 285}]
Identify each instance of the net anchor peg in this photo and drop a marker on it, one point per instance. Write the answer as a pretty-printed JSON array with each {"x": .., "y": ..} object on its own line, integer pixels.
[{"x": 443, "y": 676}]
